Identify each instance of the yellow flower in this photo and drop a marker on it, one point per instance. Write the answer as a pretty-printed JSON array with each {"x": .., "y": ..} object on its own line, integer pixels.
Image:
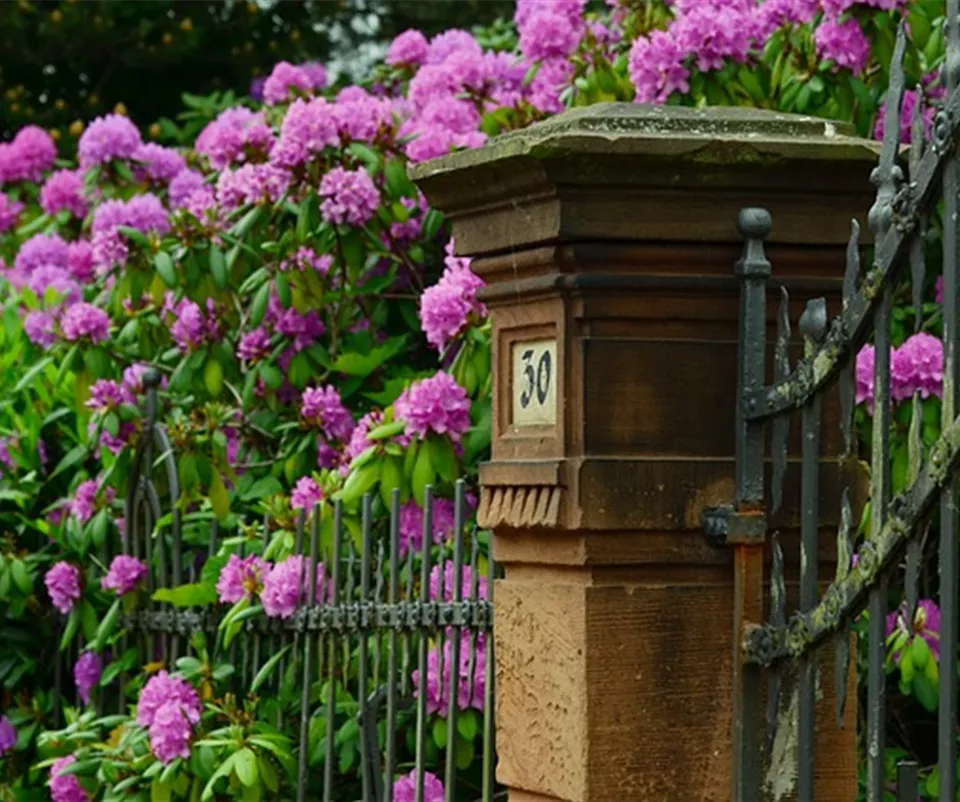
[
  {"x": 120, "y": 109},
  {"x": 76, "y": 128}
]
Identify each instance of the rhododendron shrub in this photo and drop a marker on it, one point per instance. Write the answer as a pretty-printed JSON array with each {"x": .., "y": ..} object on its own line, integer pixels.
[{"x": 281, "y": 297}]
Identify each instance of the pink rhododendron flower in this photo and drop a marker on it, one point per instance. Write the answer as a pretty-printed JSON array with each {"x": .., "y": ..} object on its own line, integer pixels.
[
  {"x": 107, "y": 138},
  {"x": 405, "y": 788},
  {"x": 285, "y": 587},
  {"x": 241, "y": 577},
  {"x": 162, "y": 689},
  {"x": 125, "y": 574},
  {"x": 436, "y": 405},
  {"x": 66, "y": 787},
  {"x": 63, "y": 586},
  {"x": 86, "y": 674},
  {"x": 8, "y": 736}
]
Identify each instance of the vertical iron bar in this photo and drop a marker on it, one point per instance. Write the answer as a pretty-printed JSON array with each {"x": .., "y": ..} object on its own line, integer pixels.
[
  {"x": 908, "y": 784},
  {"x": 456, "y": 597},
  {"x": 308, "y": 662},
  {"x": 753, "y": 270},
  {"x": 363, "y": 658},
  {"x": 887, "y": 177},
  {"x": 423, "y": 644},
  {"x": 333, "y": 595},
  {"x": 391, "y": 745},
  {"x": 489, "y": 722},
  {"x": 813, "y": 326}
]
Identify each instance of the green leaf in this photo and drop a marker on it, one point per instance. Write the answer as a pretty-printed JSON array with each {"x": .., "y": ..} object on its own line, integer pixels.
[
  {"x": 219, "y": 498},
  {"x": 218, "y": 267},
  {"x": 259, "y": 307},
  {"x": 246, "y": 766},
  {"x": 268, "y": 774},
  {"x": 353, "y": 363},
  {"x": 164, "y": 267},
  {"x": 160, "y": 791},
  {"x": 391, "y": 478},
  {"x": 107, "y": 626},
  {"x": 247, "y": 222},
  {"x": 386, "y": 430},
  {"x": 442, "y": 457},
  {"x": 224, "y": 770},
  {"x": 21, "y": 577},
  {"x": 467, "y": 725},
  {"x": 423, "y": 475},
  {"x": 264, "y": 673},
  {"x": 213, "y": 376},
  {"x": 925, "y": 692},
  {"x": 73, "y": 624},
  {"x": 31, "y": 374},
  {"x": 440, "y": 733},
  {"x": 271, "y": 376},
  {"x": 283, "y": 290},
  {"x": 199, "y": 594},
  {"x": 463, "y": 754},
  {"x": 88, "y": 621}
]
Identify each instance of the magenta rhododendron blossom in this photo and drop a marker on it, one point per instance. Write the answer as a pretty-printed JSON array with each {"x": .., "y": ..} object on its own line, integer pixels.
[
  {"x": 125, "y": 574},
  {"x": 86, "y": 674},
  {"x": 63, "y": 190},
  {"x": 242, "y": 577},
  {"x": 65, "y": 787},
  {"x": 405, "y": 788},
  {"x": 285, "y": 587},
  {"x": 83, "y": 321},
  {"x": 163, "y": 689},
  {"x": 9, "y": 212},
  {"x": 349, "y": 196},
  {"x": 471, "y": 675},
  {"x": 285, "y": 80},
  {"x": 108, "y": 138},
  {"x": 306, "y": 494},
  {"x": 449, "y": 306},
  {"x": 8, "y": 736},
  {"x": 436, "y": 405},
  {"x": 63, "y": 586},
  {"x": 844, "y": 43},
  {"x": 170, "y": 733},
  {"x": 412, "y": 521}
]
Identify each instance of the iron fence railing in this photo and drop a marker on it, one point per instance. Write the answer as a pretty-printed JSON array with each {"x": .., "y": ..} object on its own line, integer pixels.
[
  {"x": 388, "y": 672},
  {"x": 783, "y": 650}
]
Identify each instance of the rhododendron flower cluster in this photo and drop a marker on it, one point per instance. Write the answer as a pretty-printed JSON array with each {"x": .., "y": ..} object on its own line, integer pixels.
[
  {"x": 168, "y": 708},
  {"x": 471, "y": 677},
  {"x": 8, "y": 736},
  {"x": 405, "y": 788},
  {"x": 285, "y": 587},
  {"x": 411, "y": 524},
  {"x": 86, "y": 674},
  {"x": 915, "y": 367},
  {"x": 65, "y": 787},
  {"x": 124, "y": 575},
  {"x": 437, "y": 405},
  {"x": 63, "y": 585},
  {"x": 242, "y": 577},
  {"x": 451, "y": 304}
]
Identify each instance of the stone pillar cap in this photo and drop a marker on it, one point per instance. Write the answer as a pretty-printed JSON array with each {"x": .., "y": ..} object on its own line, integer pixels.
[{"x": 652, "y": 130}]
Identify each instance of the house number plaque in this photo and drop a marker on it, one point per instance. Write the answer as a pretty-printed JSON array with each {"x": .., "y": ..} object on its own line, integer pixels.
[{"x": 534, "y": 383}]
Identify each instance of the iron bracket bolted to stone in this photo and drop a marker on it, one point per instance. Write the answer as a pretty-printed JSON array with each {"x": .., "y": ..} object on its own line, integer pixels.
[{"x": 725, "y": 526}]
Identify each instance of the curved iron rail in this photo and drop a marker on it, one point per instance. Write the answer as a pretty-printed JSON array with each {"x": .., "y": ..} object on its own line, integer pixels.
[
  {"x": 898, "y": 213},
  {"x": 843, "y": 600}
]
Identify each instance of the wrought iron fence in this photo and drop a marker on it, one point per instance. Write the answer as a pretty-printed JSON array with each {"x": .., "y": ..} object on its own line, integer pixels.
[
  {"x": 386, "y": 671},
  {"x": 779, "y": 650}
]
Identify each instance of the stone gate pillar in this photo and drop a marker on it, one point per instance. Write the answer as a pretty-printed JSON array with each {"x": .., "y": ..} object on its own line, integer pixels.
[{"x": 607, "y": 238}]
